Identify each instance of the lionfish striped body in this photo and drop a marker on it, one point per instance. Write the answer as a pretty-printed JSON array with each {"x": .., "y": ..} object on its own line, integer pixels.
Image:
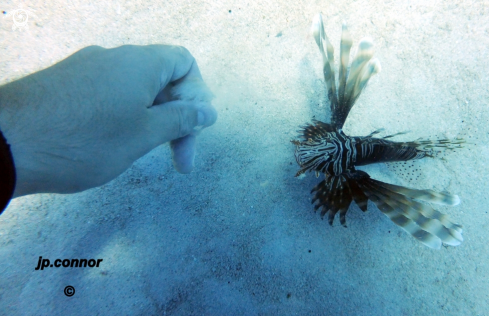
[{"x": 326, "y": 149}]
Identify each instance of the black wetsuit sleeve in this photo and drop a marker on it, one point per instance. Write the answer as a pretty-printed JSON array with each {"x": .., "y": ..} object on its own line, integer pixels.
[{"x": 7, "y": 174}]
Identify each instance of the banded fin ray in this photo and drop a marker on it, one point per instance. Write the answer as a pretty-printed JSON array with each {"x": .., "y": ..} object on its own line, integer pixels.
[
  {"x": 402, "y": 220},
  {"x": 429, "y": 196},
  {"x": 325, "y": 149},
  {"x": 429, "y": 226},
  {"x": 345, "y": 47},
  {"x": 327, "y": 53},
  {"x": 332, "y": 196},
  {"x": 351, "y": 84}
]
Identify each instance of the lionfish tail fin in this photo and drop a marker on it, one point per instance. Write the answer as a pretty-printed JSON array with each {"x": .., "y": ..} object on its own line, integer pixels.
[{"x": 424, "y": 223}]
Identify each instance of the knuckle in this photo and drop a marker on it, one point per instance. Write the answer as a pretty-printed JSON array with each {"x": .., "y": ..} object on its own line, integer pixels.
[
  {"x": 185, "y": 52},
  {"x": 184, "y": 123}
]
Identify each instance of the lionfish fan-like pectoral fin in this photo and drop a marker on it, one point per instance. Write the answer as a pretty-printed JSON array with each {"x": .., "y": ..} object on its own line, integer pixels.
[
  {"x": 327, "y": 52},
  {"x": 429, "y": 196},
  {"x": 405, "y": 222},
  {"x": 362, "y": 69},
  {"x": 427, "y": 225},
  {"x": 372, "y": 68},
  {"x": 406, "y": 195},
  {"x": 363, "y": 56},
  {"x": 345, "y": 47},
  {"x": 332, "y": 196},
  {"x": 357, "y": 194},
  {"x": 344, "y": 205}
]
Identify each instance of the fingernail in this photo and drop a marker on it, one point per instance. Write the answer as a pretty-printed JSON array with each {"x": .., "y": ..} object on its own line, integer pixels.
[{"x": 207, "y": 115}]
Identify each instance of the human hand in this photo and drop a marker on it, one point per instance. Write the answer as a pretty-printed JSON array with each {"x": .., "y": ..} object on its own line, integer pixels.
[{"x": 83, "y": 121}]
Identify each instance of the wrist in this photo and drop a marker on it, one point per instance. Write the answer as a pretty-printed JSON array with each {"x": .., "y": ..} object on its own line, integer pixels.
[{"x": 15, "y": 130}]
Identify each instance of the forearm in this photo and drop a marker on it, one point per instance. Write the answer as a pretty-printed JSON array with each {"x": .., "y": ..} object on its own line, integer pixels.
[{"x": 23, "y": 123}]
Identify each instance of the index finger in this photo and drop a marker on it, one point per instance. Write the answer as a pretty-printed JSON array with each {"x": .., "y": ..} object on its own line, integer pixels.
[{"x": 177, "y": 64}]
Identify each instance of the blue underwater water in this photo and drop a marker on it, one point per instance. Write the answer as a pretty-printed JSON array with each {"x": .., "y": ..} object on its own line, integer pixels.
[{"x": 239, "y": 235}]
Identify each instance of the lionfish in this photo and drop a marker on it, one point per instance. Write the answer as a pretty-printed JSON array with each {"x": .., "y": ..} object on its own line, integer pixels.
[{"x": 325, "y": 148}]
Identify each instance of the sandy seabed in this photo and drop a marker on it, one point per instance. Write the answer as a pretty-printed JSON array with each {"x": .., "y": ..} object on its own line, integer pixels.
[{"x": 238, "y": 236}]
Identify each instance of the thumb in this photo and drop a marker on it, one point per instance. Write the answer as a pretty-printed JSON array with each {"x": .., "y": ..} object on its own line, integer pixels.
[
  {"x": 176, "y": 119},
  {"x": 179, "y": 122},
  {"x": 183, "y": 153}
]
